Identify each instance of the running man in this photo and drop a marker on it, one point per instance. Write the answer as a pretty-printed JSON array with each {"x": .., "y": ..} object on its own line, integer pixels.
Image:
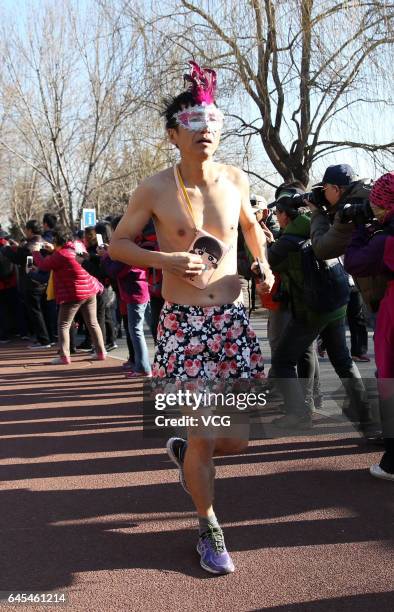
[{"x": 204, "y": 330}]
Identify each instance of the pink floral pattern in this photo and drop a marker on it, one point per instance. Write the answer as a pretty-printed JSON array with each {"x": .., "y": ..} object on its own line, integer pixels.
[{"x": 207, "y": 343}]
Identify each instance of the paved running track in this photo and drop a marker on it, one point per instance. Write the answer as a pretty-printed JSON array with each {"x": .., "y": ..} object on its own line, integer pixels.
[{"x": 91, "y": 508}]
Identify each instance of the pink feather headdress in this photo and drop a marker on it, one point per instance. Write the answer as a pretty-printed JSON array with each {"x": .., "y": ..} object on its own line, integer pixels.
[{"x": 202, "y": 83}]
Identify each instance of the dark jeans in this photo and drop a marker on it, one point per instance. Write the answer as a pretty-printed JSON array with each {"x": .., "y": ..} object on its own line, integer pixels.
[
  {"x": 50, "y": 316},
  {"x": 125, "y": 320},
  {"x": 357, "y": 324},
  {"x": 156, "y": 304},
  {"x": 295, "y": 340},
  {"x": 22, "y": 315},
  {"x": 308, "y": 369},
  {"x": 110, "y": 325},
  {"x": 105, "y": 315},
  {"x": 35, "y": 303},
  {"x": 8, "y": 312}
]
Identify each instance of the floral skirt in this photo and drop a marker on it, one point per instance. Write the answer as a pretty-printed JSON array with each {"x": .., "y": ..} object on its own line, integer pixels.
[{"x": 206, "y": 342}]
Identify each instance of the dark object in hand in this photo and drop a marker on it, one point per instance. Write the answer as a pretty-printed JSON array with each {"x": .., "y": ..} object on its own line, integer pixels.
[
  {"x": 258, "y": 270},
  {"x": 315, "y": 196},
  {"x": 358, "y": 212}
]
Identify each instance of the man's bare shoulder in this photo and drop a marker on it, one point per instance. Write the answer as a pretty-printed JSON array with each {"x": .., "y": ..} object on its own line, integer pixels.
[
  {"x": 237, "y": 176},
  {"x": 156, "y": 182},
  {"x": 151, "y": 189}
]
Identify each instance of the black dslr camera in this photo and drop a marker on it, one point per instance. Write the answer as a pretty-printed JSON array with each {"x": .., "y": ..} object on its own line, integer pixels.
[
  {"x": 315, "y": 196},
  {"x": 358, "y": 212}
]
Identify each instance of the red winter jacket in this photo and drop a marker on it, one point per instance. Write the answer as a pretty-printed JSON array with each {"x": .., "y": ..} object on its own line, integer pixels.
[{"x": 72, "y": 282}]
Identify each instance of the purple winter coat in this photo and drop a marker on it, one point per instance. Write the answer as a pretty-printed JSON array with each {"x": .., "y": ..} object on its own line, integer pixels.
[
  {"x": 364, "y": 255},
  {"x": 132, "y": 281},
  {"x": 373, "y": 257},
  {"x": 364, "y": 260}
]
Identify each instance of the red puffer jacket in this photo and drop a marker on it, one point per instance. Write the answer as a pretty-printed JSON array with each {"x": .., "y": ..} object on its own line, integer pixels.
[{"x": 72, "y": 282}]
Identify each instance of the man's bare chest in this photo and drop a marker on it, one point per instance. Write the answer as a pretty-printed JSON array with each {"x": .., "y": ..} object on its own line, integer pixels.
[{"x": 215, "y": 210}]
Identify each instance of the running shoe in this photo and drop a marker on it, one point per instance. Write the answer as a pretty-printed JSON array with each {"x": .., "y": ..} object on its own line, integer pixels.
[
  {"x": 111, "y": 347},
  {"x": 214, "y": 557},
  {"x": 176, "y": 448},
  {"x": 376, "y": 470}
]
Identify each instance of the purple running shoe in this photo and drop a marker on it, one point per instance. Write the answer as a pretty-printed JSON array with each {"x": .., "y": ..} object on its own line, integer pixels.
[{"x": 213, "y": 553}]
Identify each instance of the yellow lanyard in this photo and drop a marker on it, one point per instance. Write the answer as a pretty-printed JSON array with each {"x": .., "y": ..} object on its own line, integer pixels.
[{"x": 185, "y": 196}]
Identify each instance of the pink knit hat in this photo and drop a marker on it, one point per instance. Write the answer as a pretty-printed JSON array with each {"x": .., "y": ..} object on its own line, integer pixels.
[{"x": 382, "y": 193}]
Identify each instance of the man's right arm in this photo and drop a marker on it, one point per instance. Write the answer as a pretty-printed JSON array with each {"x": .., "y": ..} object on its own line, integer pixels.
[
  {"x": 329, "y": 241},
  {"x": 123, "y": 247}
]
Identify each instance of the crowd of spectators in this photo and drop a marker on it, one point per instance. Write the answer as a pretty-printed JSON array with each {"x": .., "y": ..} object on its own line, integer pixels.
[{"x": 55, "y": 283}]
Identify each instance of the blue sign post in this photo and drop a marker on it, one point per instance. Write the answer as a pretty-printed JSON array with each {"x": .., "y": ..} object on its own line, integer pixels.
[{"x": 88, "y": 218}]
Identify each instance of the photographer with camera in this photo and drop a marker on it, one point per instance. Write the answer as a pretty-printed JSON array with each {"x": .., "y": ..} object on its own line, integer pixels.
[
  {"x": 318, "y": 296},
  {"x": 338, "y": 203},
  {"x": 279, "y": 313},
  {"x": 277, "y": 300}
]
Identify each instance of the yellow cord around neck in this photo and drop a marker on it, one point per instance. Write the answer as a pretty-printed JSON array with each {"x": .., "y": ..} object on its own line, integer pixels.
[{"x": 185, "y": 196}]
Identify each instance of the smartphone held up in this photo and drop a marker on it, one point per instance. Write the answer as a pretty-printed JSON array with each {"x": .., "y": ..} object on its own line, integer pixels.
[{"x": 29, "y": 263}]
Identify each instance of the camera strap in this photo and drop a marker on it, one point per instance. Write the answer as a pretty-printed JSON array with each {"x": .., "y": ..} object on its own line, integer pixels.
[{"x": 184, "y": 195}]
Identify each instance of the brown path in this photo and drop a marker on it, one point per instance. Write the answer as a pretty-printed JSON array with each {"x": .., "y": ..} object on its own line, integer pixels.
[{"x": 91, "y": 508}]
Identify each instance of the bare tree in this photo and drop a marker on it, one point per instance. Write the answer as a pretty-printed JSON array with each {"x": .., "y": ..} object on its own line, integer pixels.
[
  {"x": 25, "y": 198},
  {"x": 313, "y": 70},
  {"x": 70, "y": 83}
]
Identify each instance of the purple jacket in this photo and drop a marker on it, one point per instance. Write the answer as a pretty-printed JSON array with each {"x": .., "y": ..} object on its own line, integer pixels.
[
  {"x": 132, "y": 282},
  {"x": 364, "y": 255}
]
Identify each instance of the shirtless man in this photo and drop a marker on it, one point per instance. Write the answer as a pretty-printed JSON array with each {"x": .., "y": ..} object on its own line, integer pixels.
[{"x": 197, "y": 323}]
